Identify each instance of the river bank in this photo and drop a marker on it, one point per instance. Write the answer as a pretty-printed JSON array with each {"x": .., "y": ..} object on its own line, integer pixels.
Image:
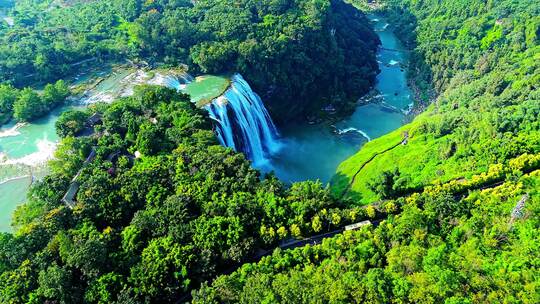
[{"x": 25, "y": 148}]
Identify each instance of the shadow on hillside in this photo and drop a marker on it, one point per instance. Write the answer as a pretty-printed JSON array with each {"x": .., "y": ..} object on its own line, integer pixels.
[{"x": 340, "y": 188}]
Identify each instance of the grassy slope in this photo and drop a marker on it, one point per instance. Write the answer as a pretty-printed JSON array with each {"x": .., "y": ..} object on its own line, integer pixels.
[{"x": 419, "y": 161}]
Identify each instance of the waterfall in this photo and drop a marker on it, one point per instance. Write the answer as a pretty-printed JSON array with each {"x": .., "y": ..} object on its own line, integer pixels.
[
  {"x": 177, "y": 82},
  {"x": 218, "y": 111},
  {"x": 243, "y": 123}
]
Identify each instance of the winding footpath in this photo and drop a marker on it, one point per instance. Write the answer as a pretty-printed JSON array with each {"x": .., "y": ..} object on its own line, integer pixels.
[{"x": 403, "y": 142}]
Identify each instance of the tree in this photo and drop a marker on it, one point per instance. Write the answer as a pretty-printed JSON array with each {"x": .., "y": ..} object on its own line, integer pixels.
[
  {"x": 164, "y": 270},
  {"x": 70, "y": 155},
  {"x": 388, "y": 184},
  {"x": 71, "y": 122},
  {"x": 55, "y": 94},
  {"x": 148, "y": 142},
  {"x": 105, "y": 289},
  {"x": 56, "y": 284},
  {"x": 85, "y": 249},
  {"x": 28, "y": 105},
  {"x": 8, "y": 96}
]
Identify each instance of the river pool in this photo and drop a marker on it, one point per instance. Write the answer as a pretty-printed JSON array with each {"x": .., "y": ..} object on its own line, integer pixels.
[{"x": 315, "y": 151}]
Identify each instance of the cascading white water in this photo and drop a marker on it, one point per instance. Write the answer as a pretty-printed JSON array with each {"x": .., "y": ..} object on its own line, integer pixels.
[
  {"x": 243, "y": 123},
  {"x": 218, "y": 111},
  {"x": 172, "y": 81}
]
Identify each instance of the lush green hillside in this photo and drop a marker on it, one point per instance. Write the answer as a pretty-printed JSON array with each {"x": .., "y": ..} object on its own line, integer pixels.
[
  {"x": 441, "y": 248},
  {"x": 300, "y": 55},
  {"x": 483, "y": 58},
  {"x": 160, "y": 209}
]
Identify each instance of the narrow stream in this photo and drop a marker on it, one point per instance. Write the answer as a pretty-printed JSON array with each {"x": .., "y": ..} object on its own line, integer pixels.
[{"x": 315, "y": 151}]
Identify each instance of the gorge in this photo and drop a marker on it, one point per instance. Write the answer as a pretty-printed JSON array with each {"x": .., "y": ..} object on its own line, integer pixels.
[
  {"x": 242, "y": 123},
  {"x": 157, "y": 192}
]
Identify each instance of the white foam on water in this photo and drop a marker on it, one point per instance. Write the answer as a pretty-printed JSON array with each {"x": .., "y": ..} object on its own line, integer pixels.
[
  {"x": 393, "y": 62},
  {"x": 133, "y": 79},
  {"x": 385, "y": 26},
  {"x": 45, "y": 152},
  {"x": 409, "y": 108},
  {"x": 169, "y": 81},
  {"x": 389, "y": 106},
  {"x": 97, "y": 97},
  {"x": 13, "y": 131},
  {"x": 221, "y": 100},
  {"x": 141, "y": 76},
  {"x": 353, "y": 130},
  {"x": 9, "y": 20},
  {"x": 378, "y": 96}
]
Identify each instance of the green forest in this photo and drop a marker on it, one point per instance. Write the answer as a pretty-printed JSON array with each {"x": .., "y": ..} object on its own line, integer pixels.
[
  {"x": 286, "y": 49},
  {"x": 164, "y": 214},
  {"x": 161, "y": 209},
  {"x": 488, "y": 104},
  {"x": 27, "y": 104}
]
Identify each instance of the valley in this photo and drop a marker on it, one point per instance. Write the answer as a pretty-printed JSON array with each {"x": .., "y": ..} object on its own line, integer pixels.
[{"x": 270, "y": 151}]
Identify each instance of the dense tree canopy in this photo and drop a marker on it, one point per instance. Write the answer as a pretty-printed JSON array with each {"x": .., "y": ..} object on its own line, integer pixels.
[
  {"x": 71, "y": 122},
  {"x": 439, "y": 249},
  {"x": 160, "y": 209},
  {"x": 27, "y": 104},
  {"x": 300, "y": 55}
]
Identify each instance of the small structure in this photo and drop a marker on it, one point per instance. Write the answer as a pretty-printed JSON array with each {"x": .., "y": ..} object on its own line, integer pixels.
[
  {"x": 90, "y": 124},
  {"x": 94, "y": 120},
  {"x": 357, "y": 225},
  {"x": 519, "y": 210},
  {"x": 69, "y": 197}
]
